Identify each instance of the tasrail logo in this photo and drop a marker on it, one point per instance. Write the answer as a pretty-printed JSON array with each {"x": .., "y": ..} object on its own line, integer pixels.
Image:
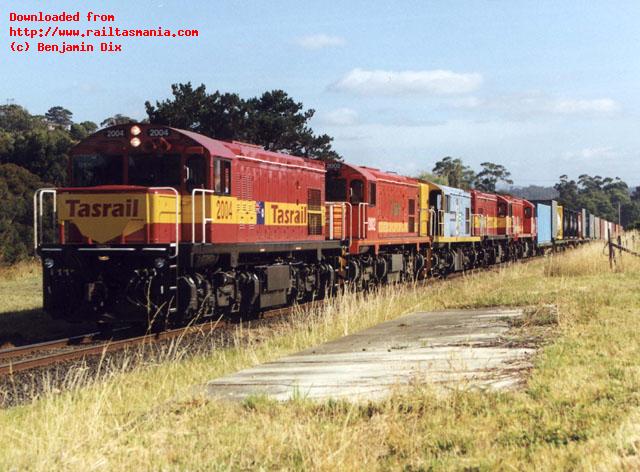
[
  {"x": 288, "y": 216},
  {"x": 128, "y": 209},
  {"x": 103, "y": 217}
]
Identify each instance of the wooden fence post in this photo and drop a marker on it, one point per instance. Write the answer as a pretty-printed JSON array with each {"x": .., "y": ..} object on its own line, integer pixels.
[
  {"x": 612, "y": 253},
  {"x": 620, "y": 247}
]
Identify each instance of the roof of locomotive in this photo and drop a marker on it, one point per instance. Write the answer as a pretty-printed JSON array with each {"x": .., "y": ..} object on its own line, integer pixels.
[
  {"x": 511, "y": 199},
  {"x": 453, "y": 190},
  {"x": 214, "y": 147},
  {"x": 236, "y": 149},
  {"x": 484, "y": 195},
  {"x": 390, "y": 176},
  {"x": 374, "y": 175}
]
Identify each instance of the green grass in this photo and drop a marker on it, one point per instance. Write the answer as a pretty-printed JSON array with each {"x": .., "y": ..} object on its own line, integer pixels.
[
  {"x": 579, "y": 409},
  {"x": 20, "y": 287}
]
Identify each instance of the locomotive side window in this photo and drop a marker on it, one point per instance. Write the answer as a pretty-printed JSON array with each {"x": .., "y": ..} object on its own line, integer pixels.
[
  {"x": 150, "y": 170},
  {"x": 434, "y": 199},
  {"x": 336, "y": 190},
  {"x": 527, "y": 212},
  {"x": 96, "y": 169},
  {"x": 222, "y": 176},
  {"x": 502, "y": 209},
  {"x": 357, "y": 191},
  {"x": 372, "y": 194},
  {"x": 195, "y": 170}
]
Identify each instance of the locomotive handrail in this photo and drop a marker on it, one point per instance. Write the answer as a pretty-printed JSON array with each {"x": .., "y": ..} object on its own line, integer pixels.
[
  {"x": 38, "y": 213},
  {"x": 205, "y": 220},
  {"x": 175, "y": 192},
  {"x": 346, "y": 230},
  {"x": 514, "y": 225},
  {"x": 432, "y": 218},
  {"x": 350, "y": 227},
  {"x": 482, "y": 227},
  {"x": 331, "y": 206},
  {"x": 362, "y": 225}
]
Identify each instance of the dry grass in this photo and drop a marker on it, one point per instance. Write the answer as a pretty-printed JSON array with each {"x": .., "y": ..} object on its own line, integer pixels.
[
  {"x": 575, "y": 413},
  {"x": 21, "y": 317}
]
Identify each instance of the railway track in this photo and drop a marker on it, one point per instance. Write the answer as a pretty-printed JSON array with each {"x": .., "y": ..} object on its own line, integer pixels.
[
  {"x": 20, "y": 351},
  {"x": 20, "y": 359}
]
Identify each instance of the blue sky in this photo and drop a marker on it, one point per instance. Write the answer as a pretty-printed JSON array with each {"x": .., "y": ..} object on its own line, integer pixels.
[{"x": 544, "y": 88}]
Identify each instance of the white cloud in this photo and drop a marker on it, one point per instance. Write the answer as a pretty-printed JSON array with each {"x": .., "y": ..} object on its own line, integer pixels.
[
  {"x": 467, "y": 102},
  {"x": 531, "y": 104},
  {"x": 591, "y": 154},
  {"x": 319, "y": 41},
  {"x": 598, "y": 105},
  {"x": 424, "y": 82},
  {"x": 341, "y": 117}
]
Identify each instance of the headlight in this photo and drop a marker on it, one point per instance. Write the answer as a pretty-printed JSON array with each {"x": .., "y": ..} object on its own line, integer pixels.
[
  {"x": 135, "y": 142},
  {"x": 48, "y": 263},
  {"x": 135, "y": 130},
  {"x": 159, "y": 262}
]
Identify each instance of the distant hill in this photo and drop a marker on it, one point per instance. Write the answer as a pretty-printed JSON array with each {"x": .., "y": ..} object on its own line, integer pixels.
[{"x": 533, "y": 192}]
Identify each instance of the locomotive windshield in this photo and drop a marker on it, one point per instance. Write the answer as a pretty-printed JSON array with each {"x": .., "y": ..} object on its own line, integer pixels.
[
  {"x": 95, "y": 169},
  {"x": 148, "y": 170},
  {"x": 336, "y": 189}
]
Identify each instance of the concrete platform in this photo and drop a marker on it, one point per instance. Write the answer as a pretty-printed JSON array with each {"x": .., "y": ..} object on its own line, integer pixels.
[{"x": 446, "y": 349}]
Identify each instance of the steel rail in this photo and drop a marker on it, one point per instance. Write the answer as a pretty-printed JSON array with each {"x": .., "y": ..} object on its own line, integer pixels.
[
  {"x": 45, "y": 345},
  {"x": 111, "y": 345}
]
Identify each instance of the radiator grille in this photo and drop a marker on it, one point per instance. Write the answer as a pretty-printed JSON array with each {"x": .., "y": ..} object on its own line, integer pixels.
[{"x": 314, "y": 210}]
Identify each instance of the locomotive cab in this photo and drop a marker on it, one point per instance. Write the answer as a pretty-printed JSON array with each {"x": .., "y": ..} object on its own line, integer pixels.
[
  {"x": 118, "y": 224},
  {"x": 449, "y": 212}
]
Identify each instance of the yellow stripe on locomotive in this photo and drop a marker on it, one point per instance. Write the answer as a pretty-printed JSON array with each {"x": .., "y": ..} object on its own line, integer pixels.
[{"x": 102, "y": 217}]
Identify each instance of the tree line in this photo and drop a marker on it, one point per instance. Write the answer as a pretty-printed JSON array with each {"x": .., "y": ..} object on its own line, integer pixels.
[{"x": 34, "y": 152}]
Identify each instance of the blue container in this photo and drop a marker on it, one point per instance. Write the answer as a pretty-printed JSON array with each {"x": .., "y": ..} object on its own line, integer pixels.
[{"x": 543, "y": 214}]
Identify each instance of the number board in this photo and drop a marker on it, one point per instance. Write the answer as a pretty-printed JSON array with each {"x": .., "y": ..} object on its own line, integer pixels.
[
  {"x": 114, "y": 133},
  {"x": 158, "y": 132}
]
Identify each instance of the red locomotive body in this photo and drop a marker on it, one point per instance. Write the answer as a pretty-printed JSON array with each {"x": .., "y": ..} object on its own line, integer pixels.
[
  {"x": 250, "y": 195},
  {"x": 485, "y": 213},
  {"x": 528, "y": 219},
  {"x": 258, "y": 196},
  {"x": 517, "y": 217},
  {"x": 385, "y": 208},
  {"x": 166, "y": 220}
]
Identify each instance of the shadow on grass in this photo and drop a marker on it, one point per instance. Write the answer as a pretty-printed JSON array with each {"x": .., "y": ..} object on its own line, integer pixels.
[{"x": 29, "y": 326}]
